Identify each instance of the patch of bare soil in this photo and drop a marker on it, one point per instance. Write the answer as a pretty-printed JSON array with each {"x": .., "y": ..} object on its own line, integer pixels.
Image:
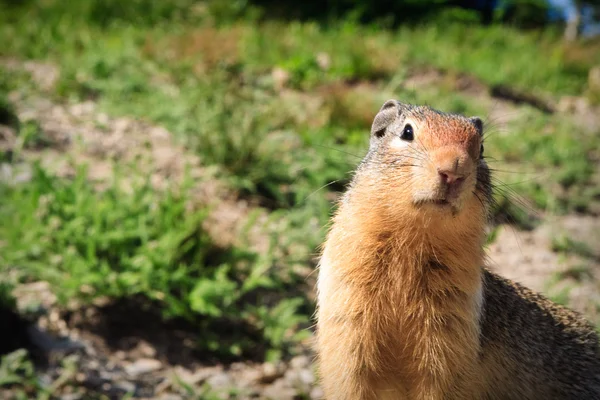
[
  {"x": 538, "y": 259},
  {"x": 43, "y": 74},
  {"x": 110, "y": 353}
]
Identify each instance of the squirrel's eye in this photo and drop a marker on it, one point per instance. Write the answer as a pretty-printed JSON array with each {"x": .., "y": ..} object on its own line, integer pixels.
[
  {"x": 407, "y": 133},
  {"x": 481, "y": 151}
]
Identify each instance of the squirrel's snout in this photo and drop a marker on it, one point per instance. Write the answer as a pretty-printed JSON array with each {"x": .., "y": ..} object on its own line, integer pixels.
[
  {"x": 452, "y": 169},
  {"x": 450, "y": 177},
  {"x": 452, "y": 181},
  {"x": 447, "y": 178}
]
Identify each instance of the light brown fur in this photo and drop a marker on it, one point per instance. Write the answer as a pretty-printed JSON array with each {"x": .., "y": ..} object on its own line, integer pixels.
[{"x": 402, "y": 294}]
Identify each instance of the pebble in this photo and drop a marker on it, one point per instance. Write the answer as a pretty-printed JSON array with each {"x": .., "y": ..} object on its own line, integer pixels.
[
  {"x": 170, "y": 396},
  {"x": 71, "y": 396},
  {"x": 317, "y": 393},
  {"x": 270, "y": 373},
  {"x": 143, "y": 366},
  {"x": 220, "y": 380},
  {"x": 125, "y": 386},
  {"x": 306, "y": 377},
  {"x": 93, "y": 364},
  {"x": 106, "y": 375},
  {"x": 145, "y": 349},
  {"x": 280, "y": 390},
  {"x": 300, "y": 362}
]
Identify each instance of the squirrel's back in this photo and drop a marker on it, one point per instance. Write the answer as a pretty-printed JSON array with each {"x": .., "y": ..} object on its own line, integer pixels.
[{"x": 532, "y": 348}]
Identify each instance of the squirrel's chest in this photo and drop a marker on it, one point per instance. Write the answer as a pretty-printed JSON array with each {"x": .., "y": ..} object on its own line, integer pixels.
[{"x": 418, "y": 340}]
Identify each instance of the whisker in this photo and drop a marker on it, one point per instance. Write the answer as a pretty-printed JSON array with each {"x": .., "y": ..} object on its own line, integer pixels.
[
  {"x": 338, "y": 150},
  {"x": 322, "y": 187}
]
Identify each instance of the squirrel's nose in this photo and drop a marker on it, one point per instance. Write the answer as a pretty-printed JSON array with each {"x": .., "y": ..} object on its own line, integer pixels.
[{"x": 451, "y": 179}]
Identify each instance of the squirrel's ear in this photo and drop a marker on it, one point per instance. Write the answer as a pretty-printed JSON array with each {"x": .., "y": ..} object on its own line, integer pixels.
[
  {"x": 386, "y": 115},
  {"x": 478, "y": 124}
]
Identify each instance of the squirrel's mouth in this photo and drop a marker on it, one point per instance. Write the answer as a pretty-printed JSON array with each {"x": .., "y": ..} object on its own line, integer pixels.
[
  {"x": 440, "y": 199},
  {"x": 434, "y": 202},
  {"x": 444, "y": 198},
  {"x": 439, "y": 204}
]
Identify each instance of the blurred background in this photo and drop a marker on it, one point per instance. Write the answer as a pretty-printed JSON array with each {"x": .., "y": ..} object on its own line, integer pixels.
[{"x": 168, "y": 168}]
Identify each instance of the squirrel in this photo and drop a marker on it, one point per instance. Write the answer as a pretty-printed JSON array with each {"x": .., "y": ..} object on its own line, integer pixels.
[{"x": 406, "y": 308}]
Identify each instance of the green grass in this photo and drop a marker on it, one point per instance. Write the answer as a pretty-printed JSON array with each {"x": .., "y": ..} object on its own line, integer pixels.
[
  {"x": 564, "y": 244},
  {"x": 549, "y": 161},
  {"x": 17, "y": 373},
  {"x": 126, "y": 242}
]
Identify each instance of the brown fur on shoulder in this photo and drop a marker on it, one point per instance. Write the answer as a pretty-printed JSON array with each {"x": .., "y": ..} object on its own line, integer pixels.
[{"x": 405, "y": 310}]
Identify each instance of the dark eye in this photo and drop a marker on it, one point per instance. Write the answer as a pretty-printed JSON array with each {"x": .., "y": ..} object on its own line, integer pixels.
[
  {"x": 481, "y": 151},
  {"x": 407, "y": 133}
]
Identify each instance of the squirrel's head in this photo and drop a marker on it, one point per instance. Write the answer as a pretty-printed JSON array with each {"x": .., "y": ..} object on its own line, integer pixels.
[{"x": 428, "y": 160}]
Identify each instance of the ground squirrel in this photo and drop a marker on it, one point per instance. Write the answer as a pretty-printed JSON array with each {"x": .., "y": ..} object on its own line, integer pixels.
[{"x": 405, "y": 308}]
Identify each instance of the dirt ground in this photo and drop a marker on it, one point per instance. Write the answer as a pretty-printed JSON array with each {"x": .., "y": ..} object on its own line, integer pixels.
[{"x": 528, "y": 257}]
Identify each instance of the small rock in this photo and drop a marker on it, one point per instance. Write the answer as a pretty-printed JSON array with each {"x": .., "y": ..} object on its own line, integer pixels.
[
  {"x": 122, "y": 125},
  {"x": 82, "y": 109},
  {"x": 143, "y": 366},
  {"x": 43, "y": 74},
  {"x": 573, "y": 104},
  {"x": 317, "y": 393},
  {"x": 6, "y": 172},
  {"x": 54, "y": 316},
  {"x": 145, "y": 349},
  {"x": 280, "y": 390},
  {"x": 102, "y": 118},
  {"x": 306, "y": 377},
  {"x": 36, "y": 293},
  {"x": 270, "y": 372},
  {"x": 159, "y": 133},
  {"x": 45, "y": 379},
  {"x": 300, "y": 362},
  {"x": 183, "y": 374},
  {"x": 169, "y": 396},
  {"x": 71, "y": 396},
  {"x": 193, "y": 378},
  {"x": 93, "y": 364},
  {"x": 107, "y": 376},
  {"x": 125, "y": 386},
  {"x": 220, "y": 380},
  {"x": 237, "y": 366},
  {"x": 248, "y": 376}
]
